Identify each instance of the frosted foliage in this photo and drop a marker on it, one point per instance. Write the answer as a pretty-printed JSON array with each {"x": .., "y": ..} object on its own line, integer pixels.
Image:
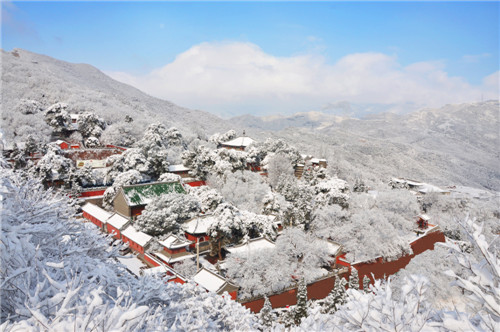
[
  {"x": 121, "y": 134},
  {"x": 58, "y": 118},
  {"x": 301, "y": 306},
  {"x": 432, "y": 264},
  {"x": 229, "y": 160},
  {"x": 57, "y": 274},
  {"x": 200, "y": 161},
  {"x": 169, "y": 177},
  {"x": 378, "y": 310},
  {"x": 132, "y": 159},
  {"x": 266, "y": 313},
  {"x": 90, "y": 125},
  {"x": 268, "y": 271},
  {"x": 332, "y": 191},
  {"x": 186, "y": 268},
  {"x": 52, "y": 166},
  {"x": 385, "y": 233},
  {"x": 278, "y": 165},
  {"x": 218, "y": 138},
  {"x": 483, "y": 282},
  {"x": 122, "y": 179},
  {"x": 244, "y": 189},
  {"x": 92, "y": 142},
  {"x": 209, "y": 198},
  {"x": 233, "y": 224},
  {"x": 165, "y": 213},
  {"x": 258, "y": 152}
]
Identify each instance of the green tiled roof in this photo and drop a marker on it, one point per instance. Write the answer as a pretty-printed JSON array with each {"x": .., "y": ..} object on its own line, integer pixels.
[{"x": 142, "y": 194}]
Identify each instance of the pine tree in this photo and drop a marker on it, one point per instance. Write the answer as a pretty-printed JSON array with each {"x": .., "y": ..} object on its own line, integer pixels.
[
  {"x": 354, "y": 279},
  {"x": 301, "y": 308},
  {"x": 366, "y": 284},
  {"x": 266, "y": 314},
  {"x": 340, "y": 295},
  {"x": 336, "y": 298}
]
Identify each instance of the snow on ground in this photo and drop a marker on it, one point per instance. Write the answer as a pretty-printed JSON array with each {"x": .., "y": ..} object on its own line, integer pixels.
[
  {"x": 132, "y": 263},
  {"x": 462, "y": 191}
]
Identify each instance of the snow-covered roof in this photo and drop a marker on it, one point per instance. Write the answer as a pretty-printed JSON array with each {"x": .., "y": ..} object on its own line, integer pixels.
[
  {"x": 170, "y": 260},
  {"x": 252, "y": 245},
  {"x": 60, "y": 141},
  {"x": 424, "y": 217},
  {"x": 239, "y": 142},
  {"x": 333, "y": 248},
  {"x": 142, "y": 194},
  {"x": 177, "y": 168},
  {"x": 429, "y": 188},
  {"x": 132, "y": 263},
  {"x": 117, "y": 221},
  {"x": 209, "y": 280},
  {"x": 198, "y": 225},
  {"x": 173, "y": 242},
  {"x": 138, "y": 237},
  {"x": 96, "y": 212},
  {"x": 317, "y": 160}
]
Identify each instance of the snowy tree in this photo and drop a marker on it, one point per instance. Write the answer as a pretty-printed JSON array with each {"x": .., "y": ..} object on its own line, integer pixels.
[
  {"x": 278, "y": 165},
  {"x": 58, "y": 118},
  {"x": 169, "y": 177},
  {"x": 218, "y": 138},
  {"x": 243, "y": 189},
  {"x": 332, "y": 191},
  {"x": 483, "y": 283},
  {"x": 336, "y": 298},
  {"x": 92, "y": 142},
  {"x": 132, "y": 159},
  {"x": 209, "y": 198},
  {"x": 52, "y": 166},
  {"x": 301, "y": 307},
  {"x": 273, "y": 204},
  {"x": 165, "y": 213},
  {"x": 90, "y": 125},
  {"x": 122, "y": 179},
  {"x": 19, "y": 157},
  {"x": 366, "y": 283},
  {"x": 200, "y": 161},
  {"x": 186, "y": 268},
  {"x": 232, "y": 225},
  {"x": 266, "y": 313},
  {"x": 174, "y": 137},
  {"x": 354, "y": 279},
  {"x": 258, "y": 152},
  {"x": 379, "y": 311},
  {"x": 48, "y": 284}
]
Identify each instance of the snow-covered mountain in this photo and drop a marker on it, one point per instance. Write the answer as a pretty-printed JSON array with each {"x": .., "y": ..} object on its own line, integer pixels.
[
  {"x": 455, "y": 144},
  {"x": 31, "y": 76}
]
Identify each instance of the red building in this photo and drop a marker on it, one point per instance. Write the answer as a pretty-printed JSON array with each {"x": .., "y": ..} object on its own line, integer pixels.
[
  {"x": 96, "y": 215},
  {"x": 136, "y": 240},
  {"x": 62, "y": 144},
  {"x": 116, "y": 224},
  {"x": 196, "y": 229}
]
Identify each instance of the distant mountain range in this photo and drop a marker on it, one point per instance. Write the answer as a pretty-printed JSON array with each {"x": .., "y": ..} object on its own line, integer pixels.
[
  {"x": 455, "y": 144},
  {"x": 31, "y": 76}
]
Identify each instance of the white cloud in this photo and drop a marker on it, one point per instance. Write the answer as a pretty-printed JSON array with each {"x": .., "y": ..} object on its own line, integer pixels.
[{"x": 234, "y": 78}]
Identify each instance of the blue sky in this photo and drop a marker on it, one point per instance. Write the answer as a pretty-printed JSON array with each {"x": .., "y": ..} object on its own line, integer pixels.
[{"x": 133, "y": 41}]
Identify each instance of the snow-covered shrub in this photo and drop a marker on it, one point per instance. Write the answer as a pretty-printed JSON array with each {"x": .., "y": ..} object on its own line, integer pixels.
[
  {"x": 209, "y": 198},
  {"x": 165, "y": 213},
  {"x": 58, "y": 274},
  {"x": 244, "y": 189},
  {"x": 90, "y": 125}
]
